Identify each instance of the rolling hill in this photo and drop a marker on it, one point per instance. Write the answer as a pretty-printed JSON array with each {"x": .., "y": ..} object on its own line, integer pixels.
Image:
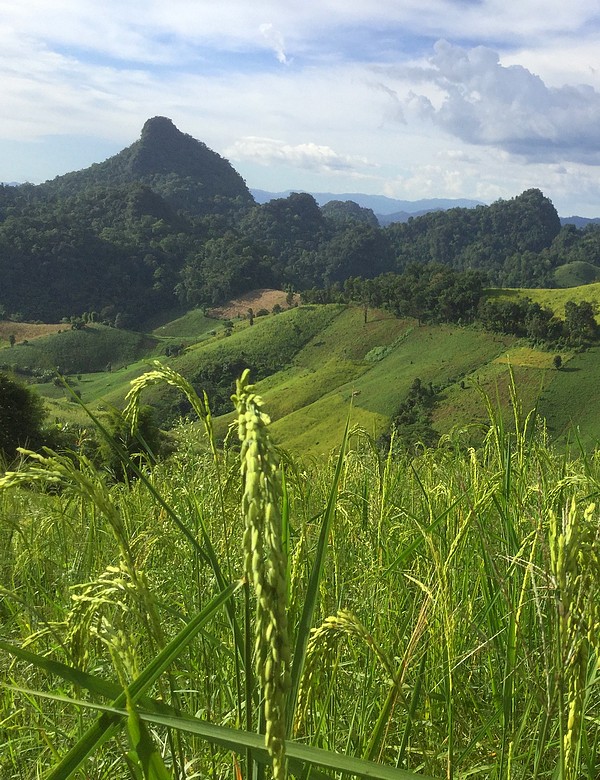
[{"x": 316, "y": 365}]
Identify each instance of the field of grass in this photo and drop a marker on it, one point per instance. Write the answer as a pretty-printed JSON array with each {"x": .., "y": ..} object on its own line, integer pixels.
[
  {"x": 272, "y": 342},
  {"x": 92, "y": 348},
  {"x": 570, "y": 401},
  {"x": 192, "y": 325},
  {"x": 375, "y": 388},
  {"x": 321, "y": 361},
  {"x": 441, "y": 612},
  {"x": 576, "y": 273},
  {"x": 318, "y": 362},
  {"x": 556, "y": 299},
  {"x": 25, "y": 331}
]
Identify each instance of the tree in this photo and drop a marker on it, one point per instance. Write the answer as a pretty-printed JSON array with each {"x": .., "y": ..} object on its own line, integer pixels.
[
  {"x": 21, "y": 417},
  {"x": 145, "y": 445},
  {"x": 289, "y": 295},
  {"x": 580, "y": 322}
]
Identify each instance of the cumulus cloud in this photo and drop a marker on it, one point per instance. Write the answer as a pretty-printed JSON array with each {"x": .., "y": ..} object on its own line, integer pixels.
[
  {"x": 275, "y": 39},
  {"x": 309, "y": 156},
  {"x": 511, "y": 108}
]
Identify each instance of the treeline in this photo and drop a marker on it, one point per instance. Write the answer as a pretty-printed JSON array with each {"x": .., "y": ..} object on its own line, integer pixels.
[
  {"x": 168, "y": 222},
  {"x": 434, "y": 293}
]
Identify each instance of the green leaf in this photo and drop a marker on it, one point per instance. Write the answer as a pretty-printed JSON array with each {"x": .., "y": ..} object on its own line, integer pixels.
[
  {"x": 144, "y": 751},
  {"x": 107, "y": 724},
  {"x": 312, "y": 592},
  {"x": 238, "y": 740}
]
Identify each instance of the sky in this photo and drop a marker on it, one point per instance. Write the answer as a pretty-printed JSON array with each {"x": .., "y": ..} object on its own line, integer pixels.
[{"x": 412, "y": 99}]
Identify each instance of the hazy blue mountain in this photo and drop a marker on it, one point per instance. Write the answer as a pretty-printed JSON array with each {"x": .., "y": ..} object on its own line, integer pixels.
[
  {"x": 380, "y": 204},
  {"x": 579, "y": 222}
]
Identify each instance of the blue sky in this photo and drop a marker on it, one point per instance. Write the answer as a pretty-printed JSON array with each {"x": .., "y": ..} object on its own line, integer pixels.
[{"x": 406, "y": 98}]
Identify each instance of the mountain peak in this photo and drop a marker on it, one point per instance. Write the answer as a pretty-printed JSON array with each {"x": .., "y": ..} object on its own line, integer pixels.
[
  {"x": 159, "y": 128},
  {"x": 182, "y": 170},
  {"x": 163, "y": 148}
]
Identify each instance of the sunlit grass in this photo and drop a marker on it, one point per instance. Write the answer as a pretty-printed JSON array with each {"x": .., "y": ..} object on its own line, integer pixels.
[{"x": 451, "y": 637}]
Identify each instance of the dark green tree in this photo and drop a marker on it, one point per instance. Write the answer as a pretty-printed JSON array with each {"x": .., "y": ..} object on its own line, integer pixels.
[
  {"x": 21, "y": 417},
  {"x": 146, "y": 445},
  {"x": 580, "y": 322}
]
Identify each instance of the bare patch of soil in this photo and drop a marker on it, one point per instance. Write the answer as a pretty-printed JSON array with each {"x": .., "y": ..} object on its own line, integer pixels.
[
  {"x": 26, "y": 331},
  {"x": 255, "y": 300}
]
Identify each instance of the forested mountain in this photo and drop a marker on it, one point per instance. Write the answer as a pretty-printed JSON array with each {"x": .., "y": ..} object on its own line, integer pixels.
[
  {"x": 168, "y": 221},
  {"x": 183, "y": 171}
]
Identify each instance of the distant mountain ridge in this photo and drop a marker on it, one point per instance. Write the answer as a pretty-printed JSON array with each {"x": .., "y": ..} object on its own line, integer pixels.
[
  {"x": 390, "y": 209},
  {"x": 579, "y": 222},
  {"x": 169, "y": 222}
]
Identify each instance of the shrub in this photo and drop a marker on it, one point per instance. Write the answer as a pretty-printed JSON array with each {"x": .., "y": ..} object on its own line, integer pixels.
[{"x": 21, "y": 417}]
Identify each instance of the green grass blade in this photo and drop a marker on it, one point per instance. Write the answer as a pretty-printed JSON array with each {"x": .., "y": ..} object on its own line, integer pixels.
[
  {"x": 238, "y": 740},
  {"x": 380, "y": 727},
  {"x": 312, "y": 592},
  {"x": 106, "y": 725},
  {"x": 285, "y": 529},
  {"x": 144, "y": 752},
  {"x": 75, "y": 676},
  {"x": 128, "y": 462},
  {"x": 213, "y": 561},
  {"x": 414, "y": 700}
]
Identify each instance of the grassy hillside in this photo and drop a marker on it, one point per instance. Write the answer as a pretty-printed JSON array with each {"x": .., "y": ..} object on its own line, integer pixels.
[
  {"x": 315, "y": 365},
  {"x": 370, "y": 374},
  {"x": 555, "y": 299},
  {"x": 576, "y": 273},
  {"x": 571, "y": 401},
  {"x": 191, "y": 325},
  {"x": 22, "y": 331},
  {"x": 271, "y": 343},
  {"x": 92, "y": 348}
]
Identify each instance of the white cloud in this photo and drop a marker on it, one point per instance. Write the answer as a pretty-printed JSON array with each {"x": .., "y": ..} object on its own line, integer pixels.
[
  {"x": 358, "y": 96},
  {"x": 311, "y": 156},
  {"x": 275, "y": 39},
  {"x": 487, "y": 103},
  {"x": 152, "y": 31}
]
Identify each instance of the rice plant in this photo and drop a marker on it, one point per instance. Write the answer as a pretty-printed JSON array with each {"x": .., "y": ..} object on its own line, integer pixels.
[{"x": 239, "y": 612}]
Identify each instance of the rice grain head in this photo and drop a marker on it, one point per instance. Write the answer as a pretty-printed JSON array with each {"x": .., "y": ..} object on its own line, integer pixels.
[{"x": 265, "y": 563}]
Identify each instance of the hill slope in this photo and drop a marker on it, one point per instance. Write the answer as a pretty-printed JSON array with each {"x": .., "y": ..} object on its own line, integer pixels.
[{"x": 315, "y": 365}]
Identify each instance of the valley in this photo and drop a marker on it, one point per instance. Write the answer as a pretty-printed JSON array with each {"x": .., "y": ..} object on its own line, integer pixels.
[{"x": 319, "y": 364}]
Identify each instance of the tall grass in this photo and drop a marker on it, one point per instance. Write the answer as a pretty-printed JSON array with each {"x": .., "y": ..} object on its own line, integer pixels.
[{"x": 443, "y": 612}]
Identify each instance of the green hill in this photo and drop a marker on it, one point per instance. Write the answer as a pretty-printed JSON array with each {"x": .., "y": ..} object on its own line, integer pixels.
[
  {"x": 182, "y": 170},
  {"x": 576, "y": 273},
  {"x": 317, "y": 364},
  {"x": 92, "y": 348},
  {"x": 554, "y": 299}
]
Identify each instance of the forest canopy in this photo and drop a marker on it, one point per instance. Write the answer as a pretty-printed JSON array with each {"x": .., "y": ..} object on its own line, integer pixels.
[{"x": 167, "y": 221}]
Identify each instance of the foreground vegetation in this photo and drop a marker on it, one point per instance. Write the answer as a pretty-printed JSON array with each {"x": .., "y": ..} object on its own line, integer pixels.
[{"x": 451, "y": 598}]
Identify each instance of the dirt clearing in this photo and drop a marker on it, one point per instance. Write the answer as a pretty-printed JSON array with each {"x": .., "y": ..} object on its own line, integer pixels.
[
  {"x": 255, "y": 300},
  {"x": 25, "y": 331}
]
